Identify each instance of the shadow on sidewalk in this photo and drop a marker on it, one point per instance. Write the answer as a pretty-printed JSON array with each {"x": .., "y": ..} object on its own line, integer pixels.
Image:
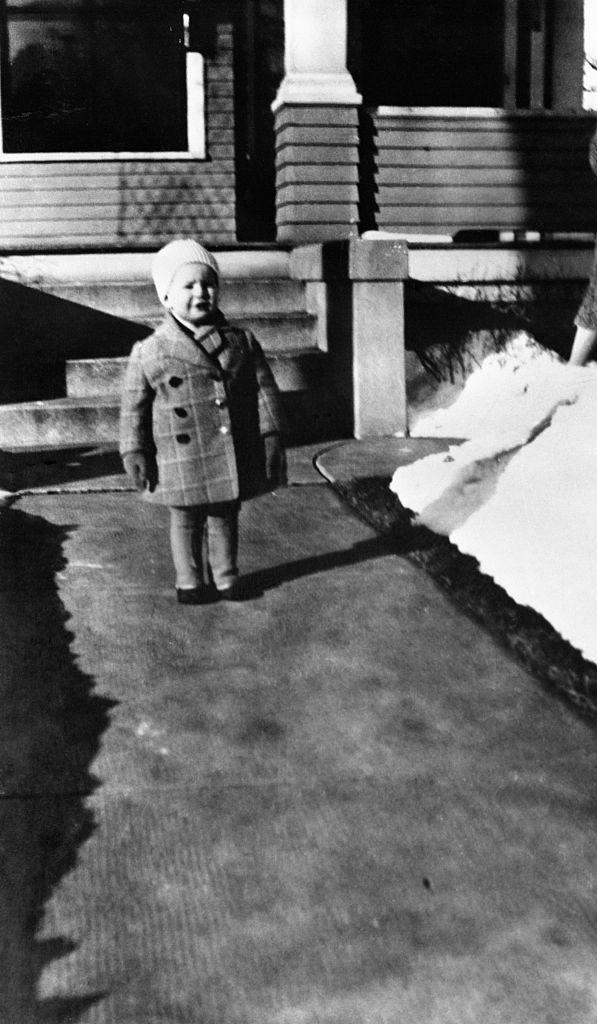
[
  {"x": 267, "y": 579},
  {"x": 58, "y": 467},
  {"x": 49, "y": 735}
]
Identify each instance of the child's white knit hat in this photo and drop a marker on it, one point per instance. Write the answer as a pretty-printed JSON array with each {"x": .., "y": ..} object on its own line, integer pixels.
[{"x": 175, "y": 255}]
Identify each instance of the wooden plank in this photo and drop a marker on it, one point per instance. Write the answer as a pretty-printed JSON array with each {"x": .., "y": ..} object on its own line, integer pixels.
[
  {"x": 220, "y": 119},
  {"x": 159, "y": 212},
  {"x": 332, "y": 213},
  {"x": 219, "y": 71},
  {"x": 332, "y": 135},
  {"x": 220, "y": 152},
  {"x": 220, "y": 136},
  {"x": 221, "y": 90},
  {"x": 443, "y": 175},
  {"x": 314, "y": 155},
  {"x": 78, "y": 168},
  {"x": 136, "y": 243},
  {"x": 315, "y": 115},
  {"x": 23, "y": 199},
  {"x": 295, "y": 233},
  {"x": 473, "y": 158},
  {"x": 335, "y": 193},
  {"x": 492, "y": 216},
  {"x": 482, "y": 140},
  {"x": 132, "y": 184},
  {"x": 318, "y": 173},
  {"x": 109, "y": 226},
  {"x": 220, "y": 105},
  {"x": 501, "y": 120}
]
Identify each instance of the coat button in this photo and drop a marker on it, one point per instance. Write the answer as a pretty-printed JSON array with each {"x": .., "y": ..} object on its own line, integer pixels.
[
  {"x": 224, "y": 430},
  {"x": 180, "y": 412},
  {"x": 175, "y": 382},
  {"x": 183, "y": 438},
  {"x": 220, "y": 402}
]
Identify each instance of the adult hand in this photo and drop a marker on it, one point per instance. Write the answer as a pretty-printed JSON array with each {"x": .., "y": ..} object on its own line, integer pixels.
[{"x": 135, "y": 465}]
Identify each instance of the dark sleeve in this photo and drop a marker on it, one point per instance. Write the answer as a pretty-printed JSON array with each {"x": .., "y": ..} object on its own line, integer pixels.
[{"x": 271, "y": 417}]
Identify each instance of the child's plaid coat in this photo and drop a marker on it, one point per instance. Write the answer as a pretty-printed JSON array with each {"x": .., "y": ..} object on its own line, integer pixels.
[{"x": 200, "y": 413}]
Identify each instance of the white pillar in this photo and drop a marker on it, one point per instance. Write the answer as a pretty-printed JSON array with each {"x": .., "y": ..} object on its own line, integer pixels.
[{"x": 315, "y": 54}]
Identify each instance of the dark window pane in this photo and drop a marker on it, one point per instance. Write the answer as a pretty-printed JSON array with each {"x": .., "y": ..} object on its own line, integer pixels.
[
  {"x": 432, "y": 52},
  {"x": 87, "y": 75}
]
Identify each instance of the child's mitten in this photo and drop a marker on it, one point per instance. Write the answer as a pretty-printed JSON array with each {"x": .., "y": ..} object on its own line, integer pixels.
[
  {"x": 135, "y": 465},
  {"x": 275, "y": 461}
]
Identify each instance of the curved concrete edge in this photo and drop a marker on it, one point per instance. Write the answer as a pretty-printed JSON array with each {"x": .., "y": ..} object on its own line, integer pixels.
[{"x": 377, "y": 456}]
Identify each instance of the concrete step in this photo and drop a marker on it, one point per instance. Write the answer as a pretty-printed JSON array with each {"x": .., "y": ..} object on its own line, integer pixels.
[
  {"x": 60, "y": 421},
  {"x": 120, "y": 283},
  {"x": 90, "y": 412},
  {"x": 138, "y": 300},
  {"x": 313, "y": 415},
  {"x": 294, "y": 371},
  {"x": 292, "y": 329},
  {"x": 282, "y": 331}
]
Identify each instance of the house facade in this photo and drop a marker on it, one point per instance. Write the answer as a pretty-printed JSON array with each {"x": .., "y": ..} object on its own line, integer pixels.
[{"x": 128, "y": 122}]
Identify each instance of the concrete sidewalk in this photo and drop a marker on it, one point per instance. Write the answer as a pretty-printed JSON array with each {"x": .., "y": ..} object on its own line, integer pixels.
[{"x": 340, "y": 803}]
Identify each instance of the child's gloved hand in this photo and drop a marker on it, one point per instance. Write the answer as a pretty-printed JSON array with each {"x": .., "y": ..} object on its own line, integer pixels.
[
  {"x": 135, "y": 466},
  {"x": 275, "y": 461}
]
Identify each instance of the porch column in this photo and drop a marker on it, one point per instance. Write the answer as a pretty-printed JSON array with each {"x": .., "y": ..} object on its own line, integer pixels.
[
  {"x": 364, "y": 281},
  {"x": 316, "y": 125}
]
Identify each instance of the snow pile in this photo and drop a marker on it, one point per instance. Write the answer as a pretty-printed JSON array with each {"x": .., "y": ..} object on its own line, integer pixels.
[
  {"x": 507, "y": 397},
  {"x": 519, "y": 494}
]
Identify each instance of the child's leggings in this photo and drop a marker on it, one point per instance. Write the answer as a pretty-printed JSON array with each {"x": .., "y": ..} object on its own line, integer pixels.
[{"x": 204, "y": 540}]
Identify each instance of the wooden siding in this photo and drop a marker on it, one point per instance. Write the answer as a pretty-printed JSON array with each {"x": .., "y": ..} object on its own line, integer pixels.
[
  {"x": 130, "y": 203},
  {"x": 316, "y": 172},
  {"x": 444, "y": 172}
]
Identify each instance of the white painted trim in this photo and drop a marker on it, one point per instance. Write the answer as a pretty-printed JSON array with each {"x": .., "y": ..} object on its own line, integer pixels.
[
  {"x": 459, "y": 265},
  {"x": 195, "y": 73},
  {"x": 488, "y": 112},
  {"x": 124, "y": 267},
  {"x": 317, "y": 89},
  {"x": 46, "y": 158}
]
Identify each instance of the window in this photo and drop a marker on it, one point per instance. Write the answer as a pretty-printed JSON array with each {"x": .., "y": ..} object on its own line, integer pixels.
[{"x": 99, "y": 76}]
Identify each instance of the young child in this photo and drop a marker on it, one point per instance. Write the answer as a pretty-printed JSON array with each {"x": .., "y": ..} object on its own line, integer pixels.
[{"x": 201, "y": 423}]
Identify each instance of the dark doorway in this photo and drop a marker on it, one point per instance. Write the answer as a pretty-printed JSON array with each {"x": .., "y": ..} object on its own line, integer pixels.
[
  {"x": 446, "y": 53},
  {"x": 259, "y": 69}
]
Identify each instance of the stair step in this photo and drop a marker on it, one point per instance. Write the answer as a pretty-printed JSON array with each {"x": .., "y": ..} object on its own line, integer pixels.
[
  {"x": 293, "y": 370},
  {"x": 283, "y": 331},
  {"x": 312, "y": 415},
  {"x": 60, "y": 421},
  {"x": 138, "y": 301}
]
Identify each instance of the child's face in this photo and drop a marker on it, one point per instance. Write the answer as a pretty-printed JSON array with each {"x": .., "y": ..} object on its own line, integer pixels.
[{"x": 193, "y": 293}]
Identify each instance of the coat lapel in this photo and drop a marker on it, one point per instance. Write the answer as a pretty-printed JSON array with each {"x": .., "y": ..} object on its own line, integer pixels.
[{"x": 181, "y": 346}]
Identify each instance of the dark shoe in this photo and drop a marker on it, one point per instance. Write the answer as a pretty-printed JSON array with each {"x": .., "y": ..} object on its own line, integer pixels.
[
  {"x": 240, "y": 591},
  {"x": 197, "y": 595}
]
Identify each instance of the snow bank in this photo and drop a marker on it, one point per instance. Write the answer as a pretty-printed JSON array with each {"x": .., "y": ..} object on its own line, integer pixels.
[{"x": 519, "y": 494}]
